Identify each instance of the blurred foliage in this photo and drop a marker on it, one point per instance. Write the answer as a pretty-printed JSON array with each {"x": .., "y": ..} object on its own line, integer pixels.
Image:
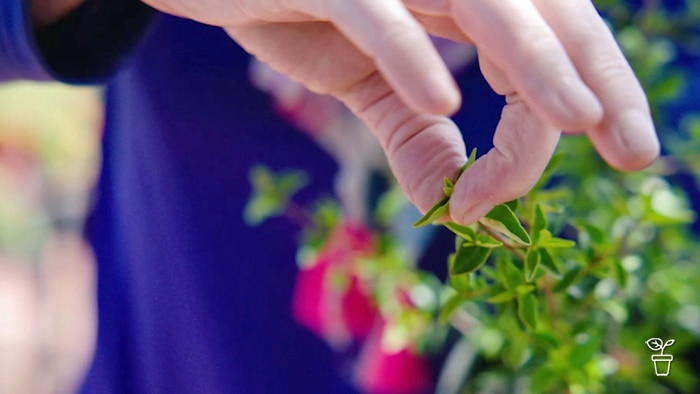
[{"x": 49, "y": 140}]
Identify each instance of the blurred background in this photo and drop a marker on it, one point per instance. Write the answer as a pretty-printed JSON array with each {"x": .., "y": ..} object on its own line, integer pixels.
[{"x": 49, "y": 160}]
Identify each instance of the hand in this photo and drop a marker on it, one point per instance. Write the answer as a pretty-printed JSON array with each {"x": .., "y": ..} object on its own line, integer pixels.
[{"x": 556, "y": 62}]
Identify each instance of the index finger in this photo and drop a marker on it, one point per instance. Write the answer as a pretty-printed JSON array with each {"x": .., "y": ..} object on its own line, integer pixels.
[{"x": 387, "y": 32}]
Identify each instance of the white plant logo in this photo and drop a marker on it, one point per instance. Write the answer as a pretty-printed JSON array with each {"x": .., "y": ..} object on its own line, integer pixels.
[{"x": 662, "y": 362}]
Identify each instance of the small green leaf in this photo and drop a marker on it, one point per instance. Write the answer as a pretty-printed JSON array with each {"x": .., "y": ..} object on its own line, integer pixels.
[
  {"x": 450, "y": 306},
  {"x": 567, "y": 280},
  {"x": 513, "y": 204},
  {"x": 261, "y": 178},
  {"x": 621, "y": 274},
  {"x": 532, "y": 263},
  {"x": 271, "y": 192},
  {"x": 502, "y": 297},
  {"x": 469, "y": 258},
  {"x": 459, "y": 241},
  {"x": 467, "y": 233},
  {"x": 524, "y": 289},
  {"x": 447, "y": 186},
  {"x": 438, "y": 211},
  {"x": 486, "y": 241},
  {"x": 549, "y": 170},
  {"x": 515, "y": 354},
  {"x": 470, "y": 161},
  {"x": 546, "y": 378},
  {"x": 596, "y": 234},
  {"x": 327, "y": 213},
  {"x": 545, "y": 340},
  {"x": 539, "y": 222},
  {"x": 461, "y": 282},
  {"x": 545, "y": 239},
  {"x": 560, "y": 243},
  {"x": 260, "y": 208},
  {"x": 511, "y": 276},
  {"x": 546, "y": 260},
  {"x": 527, "y": 310},
  {"x": 502, "y": 219},
  {"x": 586, "y": 347},
  {"x": 389, "y": 205}
]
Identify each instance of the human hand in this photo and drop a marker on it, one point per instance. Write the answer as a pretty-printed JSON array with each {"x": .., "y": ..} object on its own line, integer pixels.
[{"x": 556, "y": 62}]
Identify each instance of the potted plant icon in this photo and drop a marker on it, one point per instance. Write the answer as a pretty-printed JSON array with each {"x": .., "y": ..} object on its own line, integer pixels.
[{"x": 662, "y": 362}]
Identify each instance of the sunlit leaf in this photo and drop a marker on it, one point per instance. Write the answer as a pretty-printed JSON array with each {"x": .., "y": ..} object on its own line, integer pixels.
[
  {"x": 510, "y": 276},
  {"x": 532, "y": 263},
  {"x": 470, "y": 161},
  {"x": 513, "y": 204},
  {"x": 461, "y": 282},
  {"x": 447, "y": 186},
  {"x": 502, "y": 219},
  {"x": 438, "y": 211},
  {"x": 271, "y": 192},
  {"x": 450, "y": 306},
  {"x": 546, "y": 240},
  {"x": 567, "y": 280},
  {"x": 469, "y": 258},
  {"x": 467, "y": 233},
  {"x": 586, "y": 347},
  {"x": 546, "y": 340},
  {"x": 527, "y": 310},
  {"x": 502, "y": 297},
  {"x": 539, "y": 222},
  {"x": 547, "y": 261},
  {"x": 389, "y": 205},
  {"x": 260, "y": 208},
  {"x": 486, "y": 241}
]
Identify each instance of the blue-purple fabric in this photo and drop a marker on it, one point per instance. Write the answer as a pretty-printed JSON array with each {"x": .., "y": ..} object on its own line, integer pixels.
[{"x": 18, "y": 56}]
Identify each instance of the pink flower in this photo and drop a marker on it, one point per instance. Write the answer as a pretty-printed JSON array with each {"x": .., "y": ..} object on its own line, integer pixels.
[
  {"x": 381, "y": 371},
  {"x": 337, "y": 311}
]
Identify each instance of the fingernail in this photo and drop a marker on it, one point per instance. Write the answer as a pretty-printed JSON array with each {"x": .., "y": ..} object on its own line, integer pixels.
[{"x": 638, "y": 137}]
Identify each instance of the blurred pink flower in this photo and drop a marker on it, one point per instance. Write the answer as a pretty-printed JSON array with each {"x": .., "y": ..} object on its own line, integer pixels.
[
  {"x": 338, "y": 310},
  {"x": 381, "y": 371}
]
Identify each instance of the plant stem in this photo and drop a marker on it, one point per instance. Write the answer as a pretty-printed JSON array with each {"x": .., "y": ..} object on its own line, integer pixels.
[
  {"x": 511, "y": 248},
  {"x": 463, "y": 322}
]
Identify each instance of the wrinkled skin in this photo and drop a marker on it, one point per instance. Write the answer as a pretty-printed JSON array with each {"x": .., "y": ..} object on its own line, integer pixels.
[{"x": 555, "y": 61}]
